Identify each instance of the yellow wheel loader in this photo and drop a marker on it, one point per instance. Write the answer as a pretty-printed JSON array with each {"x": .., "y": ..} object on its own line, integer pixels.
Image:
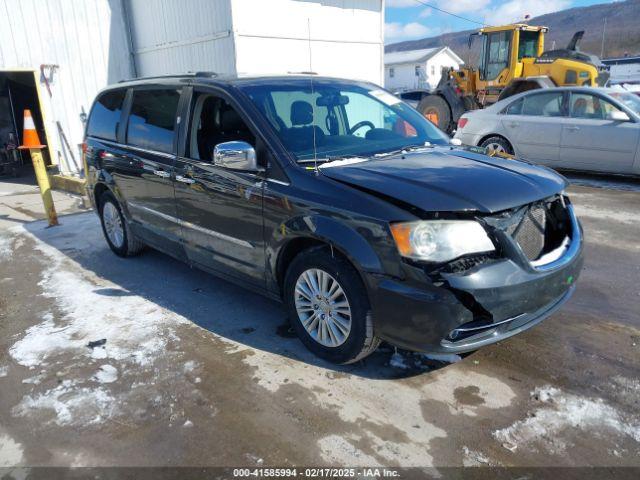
[{"x": 512, "y": 60}]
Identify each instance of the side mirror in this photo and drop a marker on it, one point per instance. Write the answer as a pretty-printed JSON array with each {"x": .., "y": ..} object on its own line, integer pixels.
[
  {"x": 619, "y": 116},
  {"x": 236, "y": 156}
]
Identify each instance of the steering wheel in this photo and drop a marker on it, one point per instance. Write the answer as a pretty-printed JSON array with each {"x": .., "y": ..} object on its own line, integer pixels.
[{"x": 364, "y": 123}]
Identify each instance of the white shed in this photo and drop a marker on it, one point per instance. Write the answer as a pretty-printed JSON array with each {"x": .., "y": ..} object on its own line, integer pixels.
[
  {"x": 418, "y": 68},
  {"x": 55, "y": 55}
]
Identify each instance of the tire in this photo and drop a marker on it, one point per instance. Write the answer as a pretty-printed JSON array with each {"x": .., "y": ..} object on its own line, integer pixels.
[
  {"x": 498, "y": 143},
  {"x": 436, "y": 105},
  {"x": 348, "y": 347},
  {"x": 125, "y": 244}
]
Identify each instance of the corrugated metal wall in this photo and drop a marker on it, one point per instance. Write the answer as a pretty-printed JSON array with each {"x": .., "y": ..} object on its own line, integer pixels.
[
  {"x": 85, "y": 38},
  {"x": 99, "y": 42},
  {"x": 176, "y": 36},
  {"x": 258, "y": 36}
]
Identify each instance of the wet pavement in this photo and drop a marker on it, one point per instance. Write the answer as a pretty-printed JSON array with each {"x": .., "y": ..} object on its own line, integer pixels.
[{"x": 196, "y": 371}]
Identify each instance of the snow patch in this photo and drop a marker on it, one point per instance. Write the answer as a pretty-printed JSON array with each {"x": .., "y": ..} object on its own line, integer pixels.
[
  {"x": 397, "y": 361},
  {"x": 5, "y": 246},
  {"x": 70, "y": 405},
  {"x": 473, "y": 458},
  {"x": 339, "y": 451},
  {"x": 443, "y": 357},
  {"x": 559, "y": 411},
  {"x": 10, "y": 452},
  {"x": 137, "y": 332},
  {"x": 106, "y": 374},
  {"x": 35, "y": 380},
  {"x": 4, "y": 371}
]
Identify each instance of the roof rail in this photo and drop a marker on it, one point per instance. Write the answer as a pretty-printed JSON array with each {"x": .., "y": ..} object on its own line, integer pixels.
[
  {"x": 302, "y": 73},
  {"x": 174, "y": 75}
]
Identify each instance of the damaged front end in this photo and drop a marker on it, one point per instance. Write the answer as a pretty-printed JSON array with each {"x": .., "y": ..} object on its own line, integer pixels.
[{"x": 479, "y": 299}]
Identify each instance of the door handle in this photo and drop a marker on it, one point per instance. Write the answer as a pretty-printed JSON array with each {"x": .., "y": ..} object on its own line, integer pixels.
[
  {"x": 161, "y": 173},
  {"x": 514, "y": 124},
  {"x": 186, "y": 180},
  {"x": 573, "y": 128}
]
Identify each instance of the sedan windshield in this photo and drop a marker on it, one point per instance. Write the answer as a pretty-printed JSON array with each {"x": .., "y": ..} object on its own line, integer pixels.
[
  {"x": 629, "y": 100},
  {"x": 329, "y": 119}
]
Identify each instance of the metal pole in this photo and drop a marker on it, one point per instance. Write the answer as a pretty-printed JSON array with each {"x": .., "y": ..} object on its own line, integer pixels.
[
  {"x": 45, "y": 187},
  {"x": 604, "y": 29}
]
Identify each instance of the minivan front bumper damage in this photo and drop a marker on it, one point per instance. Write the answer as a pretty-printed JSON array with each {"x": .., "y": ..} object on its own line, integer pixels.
[{"x": 461, "y": 312}]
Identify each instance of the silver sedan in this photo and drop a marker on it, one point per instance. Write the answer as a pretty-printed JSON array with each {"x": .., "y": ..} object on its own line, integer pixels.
[{"x": 576, "y": 128}]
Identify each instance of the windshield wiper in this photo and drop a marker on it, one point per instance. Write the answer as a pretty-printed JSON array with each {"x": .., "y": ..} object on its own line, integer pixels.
[
  {"x": 408, "y": 148},
  {"x": 330, "y": 158}
]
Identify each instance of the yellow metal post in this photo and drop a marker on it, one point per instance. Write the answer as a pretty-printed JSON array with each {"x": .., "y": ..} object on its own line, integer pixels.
[
  {"x": 45, "y": 187},
  {"x": 31, "y": 142}
]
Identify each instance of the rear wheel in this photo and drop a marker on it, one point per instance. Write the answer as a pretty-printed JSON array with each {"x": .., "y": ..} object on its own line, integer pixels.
[
  {"x": 328, "y": 307},
  {"x": 115, "y": 228},
  {"x": 435, "y": 109},
  {"x": 497, "y": 145}
]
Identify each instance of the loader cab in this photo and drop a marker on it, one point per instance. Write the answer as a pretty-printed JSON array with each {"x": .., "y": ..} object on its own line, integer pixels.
[{"x": 503, "y": 50}]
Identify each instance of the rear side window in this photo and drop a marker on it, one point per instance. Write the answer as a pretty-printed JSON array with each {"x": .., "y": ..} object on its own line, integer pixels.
[
  {"x": 543, "y": 105},
  {"x": 152, "y": 119},
  {"x": 105, "y": 115}
]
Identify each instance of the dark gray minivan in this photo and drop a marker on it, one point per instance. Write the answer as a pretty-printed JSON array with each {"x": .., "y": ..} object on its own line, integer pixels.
[{"x": 338, "y": 199}]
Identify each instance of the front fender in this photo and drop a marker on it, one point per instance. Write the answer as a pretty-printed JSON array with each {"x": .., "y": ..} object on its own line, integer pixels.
[{"x": 354, "y": 243}]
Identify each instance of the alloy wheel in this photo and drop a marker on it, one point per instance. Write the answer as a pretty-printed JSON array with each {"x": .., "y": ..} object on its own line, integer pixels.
[
  {"x": 323, "y": 307},
  {"x": 113, "y": 224}
]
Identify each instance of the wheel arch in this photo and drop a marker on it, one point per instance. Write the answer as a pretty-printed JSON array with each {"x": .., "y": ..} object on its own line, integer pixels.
[
  {"x": 324, "y": 232},
  {"x": 499, "y": 135}
]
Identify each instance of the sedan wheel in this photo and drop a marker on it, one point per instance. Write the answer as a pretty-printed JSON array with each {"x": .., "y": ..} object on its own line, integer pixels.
[
  {"x": 496, "y": 147},
  {"x": 497, "y": 144},
  {"x": 323, "y": 307}
]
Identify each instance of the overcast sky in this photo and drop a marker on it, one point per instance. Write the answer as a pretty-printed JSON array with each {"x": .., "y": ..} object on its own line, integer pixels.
[{"x": 410, "y": 19}]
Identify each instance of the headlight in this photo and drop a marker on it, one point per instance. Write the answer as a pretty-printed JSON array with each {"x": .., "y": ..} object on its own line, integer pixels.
[{"x": 440, "y": 240}]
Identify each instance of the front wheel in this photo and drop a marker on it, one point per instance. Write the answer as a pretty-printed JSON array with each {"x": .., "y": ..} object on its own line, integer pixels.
[
  {"x": 436, "y": 109},
  {"x": 328, "y": 307}
]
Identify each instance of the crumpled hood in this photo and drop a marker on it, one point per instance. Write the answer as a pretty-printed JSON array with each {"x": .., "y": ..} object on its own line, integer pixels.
[{"x": 446, "y": 180}]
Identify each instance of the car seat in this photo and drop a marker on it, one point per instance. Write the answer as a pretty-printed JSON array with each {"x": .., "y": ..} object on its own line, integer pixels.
[{"x": 301, "y": 135}]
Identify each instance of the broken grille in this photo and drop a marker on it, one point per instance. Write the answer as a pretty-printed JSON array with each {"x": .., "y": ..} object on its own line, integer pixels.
[
  {"x": 529, "y": 233},
  {"x": 538, "y": 228}
]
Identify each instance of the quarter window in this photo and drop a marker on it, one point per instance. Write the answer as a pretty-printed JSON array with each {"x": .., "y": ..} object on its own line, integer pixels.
[
  {"x": 105, "y": 115},
  {"x": 152, "y": 119}
]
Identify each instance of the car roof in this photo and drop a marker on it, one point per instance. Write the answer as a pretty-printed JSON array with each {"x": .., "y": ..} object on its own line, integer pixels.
[
  {"x": 225, "y": 80},
  {"x": 574, "y": 88}
]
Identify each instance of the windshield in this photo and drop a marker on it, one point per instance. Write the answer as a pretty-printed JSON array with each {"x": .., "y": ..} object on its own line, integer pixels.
[
  {"x": 327, "y": 119},
  {"x": 629, "y": 100}
]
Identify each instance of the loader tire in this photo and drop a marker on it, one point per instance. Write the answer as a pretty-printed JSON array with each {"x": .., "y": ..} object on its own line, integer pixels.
[{"x": 436, "y": 109}]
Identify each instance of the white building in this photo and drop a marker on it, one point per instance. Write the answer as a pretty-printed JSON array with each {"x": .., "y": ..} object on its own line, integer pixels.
[
  {"x": 418, "y": 68},
  {"x": 55, "y": 55},
  {"x": 624, "y": 70}
]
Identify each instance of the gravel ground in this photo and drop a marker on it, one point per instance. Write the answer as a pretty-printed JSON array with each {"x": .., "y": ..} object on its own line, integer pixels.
[{"x": 198, "y": 372}]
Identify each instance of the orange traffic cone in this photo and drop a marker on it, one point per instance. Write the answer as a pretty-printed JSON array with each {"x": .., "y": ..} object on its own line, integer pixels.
[{"x": 30, "y": 138}]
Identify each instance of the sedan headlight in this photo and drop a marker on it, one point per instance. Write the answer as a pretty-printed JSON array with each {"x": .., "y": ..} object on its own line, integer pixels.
[{"x": 440, "y": 240}]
